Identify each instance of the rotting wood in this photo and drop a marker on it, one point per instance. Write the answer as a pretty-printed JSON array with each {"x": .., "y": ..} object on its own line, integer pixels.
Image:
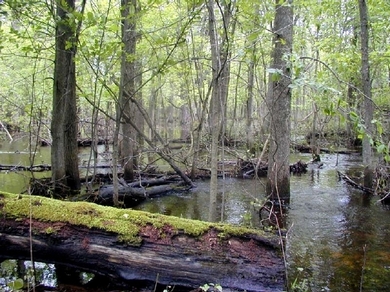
[{"x": 234, "y": 257}]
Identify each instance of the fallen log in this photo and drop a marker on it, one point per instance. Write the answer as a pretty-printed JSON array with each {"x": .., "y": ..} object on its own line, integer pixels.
[
  {"x": 129, "y": 245},
  {"x": 131, "y": 195},
  {"x": 351, "y": 182},
  {"x": 34, "y": 168},
  {"x": 309, "y": 149},
  {"x": 248, "y": 169}
]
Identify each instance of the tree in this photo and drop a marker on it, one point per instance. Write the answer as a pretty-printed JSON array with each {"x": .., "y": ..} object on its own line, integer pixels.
[
  {"x": 127, "y": 109},
  {"x": 279, "y": 103},
  {"x": 220, "y": 54},
  {"x": 368, "y": 103},
  {"x": 64, "y": 125}
]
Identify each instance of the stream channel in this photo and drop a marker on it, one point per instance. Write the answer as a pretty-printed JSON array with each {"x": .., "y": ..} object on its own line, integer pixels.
[{"x": 338, "y": 239}]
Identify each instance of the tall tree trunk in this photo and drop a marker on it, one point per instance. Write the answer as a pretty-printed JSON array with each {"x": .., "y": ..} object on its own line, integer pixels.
[
  {"x": 215, "y": 111},
  {"x": 278, "y": 178},
  {"x": 64, "y": 126},
  {"x": 127, "y": 86},
  {"x": 198, "y": 109},
  {"x": 368, "y": 103},
  {"x": 353, "y": 93},
  {"x": 220, "y": 55},
  {"x": 250, "y": 143}
]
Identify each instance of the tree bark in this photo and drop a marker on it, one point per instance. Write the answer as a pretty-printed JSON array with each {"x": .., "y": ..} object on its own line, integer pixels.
[
  {"x": 278, "y": 178},
  {"x": 250, "y": 143},
  {"x": 368, "y": 103},
  {"x": 248, "y": 260},
  {"x": 64, "y": 126},
  {"x": 215, "y": 111},
  {"x": 128, "y": 87},
  {"x": 220, "y": 54}
]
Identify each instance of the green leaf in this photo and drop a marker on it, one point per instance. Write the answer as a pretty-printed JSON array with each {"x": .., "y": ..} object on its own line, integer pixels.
[
  {"x": 16, "y": 285},
  {"x": 353, "y": 114},
  {"x": 275, "y": 77},
  {"x": 276, "y": 74},
  {"x": 7, "y": 265},
  {"x": 253, "y": 36},
  {"x": 381, "y": 148}
]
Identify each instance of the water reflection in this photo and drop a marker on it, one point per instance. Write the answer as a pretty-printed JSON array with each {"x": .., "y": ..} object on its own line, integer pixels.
[
  {"x": 194, "y": 204},
  {"x": 338, "y": 240},
  {"x": 330, "y": 224},
  {"x": 18, "y": 153}
]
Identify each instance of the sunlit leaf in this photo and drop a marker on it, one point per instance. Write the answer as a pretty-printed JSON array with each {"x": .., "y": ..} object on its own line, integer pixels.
[
  {"x": 381, "y": 148},
  {"x": 16, "y": 285}
]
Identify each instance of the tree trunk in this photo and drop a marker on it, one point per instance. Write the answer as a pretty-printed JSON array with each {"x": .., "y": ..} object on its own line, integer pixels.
[
  {"x": 215, "y": 111},
  {"x": 220, "y": 53},
  {"x": 64, "y": 126},
  {"x": 198, "y": 109},
  {"x": 250, "y": 143},
  {"x": 169, "y": 250},
  {"x": 127, "y": 86},
  {"x": 278, "y": 178},
  {"x": 368, "y": 103}
]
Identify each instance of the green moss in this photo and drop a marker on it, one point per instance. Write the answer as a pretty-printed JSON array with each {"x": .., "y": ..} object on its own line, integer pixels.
[
  {"x": 124, "y": 222},
  {"x": 50, "y": 230}
]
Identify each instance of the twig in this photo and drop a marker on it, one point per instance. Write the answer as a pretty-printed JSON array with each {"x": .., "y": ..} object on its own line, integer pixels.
[
  {"x": 5, "y": 129},
  {"x": 363, "y": 267},
  {"x": 31, "y": 243}
]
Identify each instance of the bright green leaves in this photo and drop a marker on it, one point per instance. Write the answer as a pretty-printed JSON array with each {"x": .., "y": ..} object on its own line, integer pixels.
[
  {"x": 8, "y": 270},
  {"x": 376, "y": 140},
  {"x": 357, "y": 124},
  {"x": 16, "y": 285},
  {"x": 276, "y": 74}
]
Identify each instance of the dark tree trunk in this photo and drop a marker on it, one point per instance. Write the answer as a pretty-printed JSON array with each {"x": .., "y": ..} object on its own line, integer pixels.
[
  {"x": 64, "y": 126},
  {"x": 127, "y": 87}
]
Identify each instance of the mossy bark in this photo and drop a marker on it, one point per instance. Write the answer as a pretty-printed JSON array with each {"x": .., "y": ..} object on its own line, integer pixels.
[{"x": 132, "y": 245}]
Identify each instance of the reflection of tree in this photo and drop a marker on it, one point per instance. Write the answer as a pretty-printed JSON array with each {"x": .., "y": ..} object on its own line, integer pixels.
[{"x": 354, "y": 263}]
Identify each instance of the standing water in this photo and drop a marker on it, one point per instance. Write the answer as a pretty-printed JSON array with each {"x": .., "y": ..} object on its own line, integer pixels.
[{"x": 337, "y": 240}]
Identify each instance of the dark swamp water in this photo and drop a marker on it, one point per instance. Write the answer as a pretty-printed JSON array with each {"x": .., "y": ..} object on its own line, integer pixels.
[{"x": 338, "y": 240}]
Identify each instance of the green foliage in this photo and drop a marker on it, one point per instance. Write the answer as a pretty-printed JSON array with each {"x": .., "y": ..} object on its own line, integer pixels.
[
  {"x": 299, "y": 285},
  {"x": 173, "y": 50},
  {"x": 210, "y": 287},
  {"x": 8, "y": 269}
]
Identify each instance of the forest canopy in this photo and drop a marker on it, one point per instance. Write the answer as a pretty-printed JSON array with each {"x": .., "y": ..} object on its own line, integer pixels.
[{"x": 172, "y": 63}]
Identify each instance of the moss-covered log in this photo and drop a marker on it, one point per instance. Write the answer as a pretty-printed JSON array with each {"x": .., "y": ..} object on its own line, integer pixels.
[{"x": 133, "y": 245}]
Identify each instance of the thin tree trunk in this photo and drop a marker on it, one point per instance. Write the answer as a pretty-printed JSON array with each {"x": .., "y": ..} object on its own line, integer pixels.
[
  {"x": 220, "y": 53},
  {"x": 249, "y": 105},
  {"x": 199, "y": 109},
  {"x": 215, "y": 111},
  {"x": 368, "y": 103}
]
